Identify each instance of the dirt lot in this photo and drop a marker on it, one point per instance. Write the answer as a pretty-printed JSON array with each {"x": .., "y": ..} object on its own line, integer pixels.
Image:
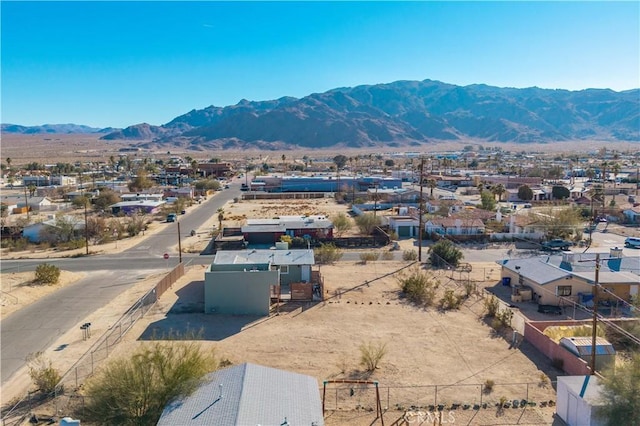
[{"x": 454, "y": 350}]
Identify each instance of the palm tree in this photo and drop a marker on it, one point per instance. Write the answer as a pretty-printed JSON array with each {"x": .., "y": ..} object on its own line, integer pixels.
[
  {"x": 9, "y": 163},
  {"x": 431, "y": 184},
  {"x": 498, "y": 190},
  {"x": 284, "y": 170}
]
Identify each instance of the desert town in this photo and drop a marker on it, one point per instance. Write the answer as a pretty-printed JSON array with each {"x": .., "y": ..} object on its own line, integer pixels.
[{"x": 302, "y": 270}]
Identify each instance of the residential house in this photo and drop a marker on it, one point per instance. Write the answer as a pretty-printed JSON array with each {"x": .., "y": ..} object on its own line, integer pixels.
[
  {"x": 133, "y": 207},
  {"x": 632, "y": 215},
  {"x": 215, "y": 169},
  {"x": 142, "y": 196},
  {"x": 564, "y": 279},
  {"x": 454, "y": 226},
  {"x": 35, "y": 203},
  {"x": 55, "y": 229},
  {"x": 269, "y": 231},
  {"x": 248, "y": 394},
  {"x": 242, "y": 282},
  {"x": 404, "y": 226}
]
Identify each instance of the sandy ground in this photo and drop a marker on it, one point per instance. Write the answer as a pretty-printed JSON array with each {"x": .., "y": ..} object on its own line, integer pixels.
[{"x": 425, "y": 347}]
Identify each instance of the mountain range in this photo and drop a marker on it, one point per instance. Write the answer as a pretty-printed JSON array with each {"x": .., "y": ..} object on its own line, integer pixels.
[
  {"x": 52, "y": 129},
  {"x": 402, "y": 113}
]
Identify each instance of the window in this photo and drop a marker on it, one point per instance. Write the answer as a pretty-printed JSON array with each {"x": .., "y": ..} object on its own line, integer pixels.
[
  {"x": 284, "y": 269},
  {"x": 563, "y": 290}
]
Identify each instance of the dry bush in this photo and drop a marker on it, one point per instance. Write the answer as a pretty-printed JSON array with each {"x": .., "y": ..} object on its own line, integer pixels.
[
  {"x": 371, "y": 354},
  {"x": 42, "y": 373}
]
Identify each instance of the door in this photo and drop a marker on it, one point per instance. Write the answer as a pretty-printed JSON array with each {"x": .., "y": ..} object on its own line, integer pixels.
[
  {"x": 572, "y": 410},
  {"x": 305, "y": 273}
]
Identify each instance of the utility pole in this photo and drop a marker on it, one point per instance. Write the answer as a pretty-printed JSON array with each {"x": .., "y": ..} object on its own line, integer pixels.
[
  {"x": 179, "y": 243},
  {"x": 26, "y": 200},
  {"x": 420, "y": 212},
  {"x": 86, "y": 229},
  {"x": 594, "y": 325}
]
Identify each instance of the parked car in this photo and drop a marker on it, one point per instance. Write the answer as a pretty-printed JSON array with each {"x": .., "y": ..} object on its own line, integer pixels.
[
  {"x": 632, "y": 242},
  {"x": 550, "y": 309},
  {"x": 172, "y": 217},
  {"x": 556, "y": 244}
]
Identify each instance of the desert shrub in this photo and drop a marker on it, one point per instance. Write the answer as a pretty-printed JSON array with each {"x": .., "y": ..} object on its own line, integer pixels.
[
  {"x": 410, "y": 255},
  {"x": 42, "y": 373},
  {"x": 135, "y": 390},
  {"x": 469, "y": 289},
  {"x": 502, "y": 319},
  {"x": 341, "y": 223},
  {"x": 419, "y": 287},
  {"x": 488, "y": 386},
  {"x": 47, "y": 274},
  {"x": 491, "y": 306},
  {"x": 387, "y": 255},
  {"x": 445, "y": 253},
  {"x": 298, "y": 242},
  {"x": 367, "y": 222},
  {"x": 450, "y": 300},
  {"x": 73, "y": 244},
  {"x": 371, "y": 354},
  {"x": 369, "y": 256},
  {"x": 327, "y": 253}
]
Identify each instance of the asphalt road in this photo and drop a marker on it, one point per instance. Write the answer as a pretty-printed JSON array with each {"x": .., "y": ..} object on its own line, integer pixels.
[{"x": 36, "y": 326}]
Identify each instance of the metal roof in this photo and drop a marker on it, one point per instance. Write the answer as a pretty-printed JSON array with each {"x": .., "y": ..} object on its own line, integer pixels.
[
  {"x": 581, "y": 346},
  {"x": 249, "y": 394},
  {"x": 255, "y": 256}
]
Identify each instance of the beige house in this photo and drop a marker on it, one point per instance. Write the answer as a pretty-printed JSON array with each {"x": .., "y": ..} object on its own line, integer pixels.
[{"x": 562, "y": 279}]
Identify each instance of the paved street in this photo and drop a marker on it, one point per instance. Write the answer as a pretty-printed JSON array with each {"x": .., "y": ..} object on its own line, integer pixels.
[{"x": 36, "y": 326}]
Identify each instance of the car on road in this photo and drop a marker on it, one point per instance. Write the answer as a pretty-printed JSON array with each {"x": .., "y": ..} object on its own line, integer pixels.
[
  {"x": 172, "y": 217},
  {"x": 556, "y": 244},
  {"x": 632, "y": 242}
]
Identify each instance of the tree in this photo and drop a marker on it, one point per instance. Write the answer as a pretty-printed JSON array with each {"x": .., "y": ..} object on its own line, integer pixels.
[
  {"x": 621, "y": 394},
  {"x": 106, "y": 198},
  {"x": 498, "y": 190},
  {"x": 32, "y": 190},
  {"x": 525, "y": 193},
  {"x": 341, "y": 223},
  {"x": 327, "y": 253},
  {"x": 418, "y": 287},
  {"x": 444, "y": 252},
  {"x": 389, "y": 163},
  {"x": 559, "y": 192},
  {"x": 284, "y": 166},
  {"x": 559, "y": 223},
  {"x": 140, "y": 182},
  {"x": 340, "y": 161},
  {"x": 431, "y": 184},
  {"x": 8, "y": 160},
  {"x": 135, "y": 390},
  {"x": 206, "y": 184},
  {"x": 80, "y": 202},
  {"x": 488, "y": 201},
  {"x": 367, "y": 222}
]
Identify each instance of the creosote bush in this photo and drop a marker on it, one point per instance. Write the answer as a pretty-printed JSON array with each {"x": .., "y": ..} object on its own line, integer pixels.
[
  {"x": 368, "y": 257},
  {"x": 327, "y": 253},
  {"x": 409, "y": 255},
  {"x": 450, "y": 300},
  {"x": 418, "y": 287},
  {"x": 491, "y": 306},
  {"x": 42, "y": 373},
  {"x": 371, "y": 354},
  {"x": 47, "y": 274},
  {"x": 135, "y": 390}
]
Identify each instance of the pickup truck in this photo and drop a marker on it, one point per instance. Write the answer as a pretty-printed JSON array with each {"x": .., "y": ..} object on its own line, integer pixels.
[{"x": 557, "y": 244}]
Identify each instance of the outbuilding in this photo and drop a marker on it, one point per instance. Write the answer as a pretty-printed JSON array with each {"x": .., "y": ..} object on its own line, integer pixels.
[{"x": 578, "y": 400}]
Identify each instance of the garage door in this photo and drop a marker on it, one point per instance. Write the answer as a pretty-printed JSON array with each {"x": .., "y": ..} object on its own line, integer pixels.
[{"x": 404, "y": 231}]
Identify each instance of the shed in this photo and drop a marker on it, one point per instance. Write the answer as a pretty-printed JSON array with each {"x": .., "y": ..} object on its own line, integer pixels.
[
  {"x": 578, "y": 399},
  {"x": 582, "y": 348},
  {"x": 249, "y": 394}
]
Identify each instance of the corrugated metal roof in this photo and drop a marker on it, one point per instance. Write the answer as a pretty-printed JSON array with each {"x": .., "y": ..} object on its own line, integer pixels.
[
  {"x": 274, "y": 257},
  {"x": 582, "y": 346},
  {"x": 250, "y": 395}
]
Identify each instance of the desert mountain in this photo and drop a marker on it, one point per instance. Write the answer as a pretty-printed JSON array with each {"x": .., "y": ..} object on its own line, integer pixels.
[{"x": 52, "y": 129}]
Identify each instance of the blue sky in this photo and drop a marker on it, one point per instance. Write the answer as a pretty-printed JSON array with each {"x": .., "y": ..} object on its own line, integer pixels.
[{"x": 121, "y": 63}]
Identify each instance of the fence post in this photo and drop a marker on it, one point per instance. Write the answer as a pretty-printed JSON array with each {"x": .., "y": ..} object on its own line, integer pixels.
[
  {"x": 76, "y": 376},
  {"x": 91, "y": 362},
  {"x": 435, "y": 401},
  {"x": 481, "y": 389}
]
